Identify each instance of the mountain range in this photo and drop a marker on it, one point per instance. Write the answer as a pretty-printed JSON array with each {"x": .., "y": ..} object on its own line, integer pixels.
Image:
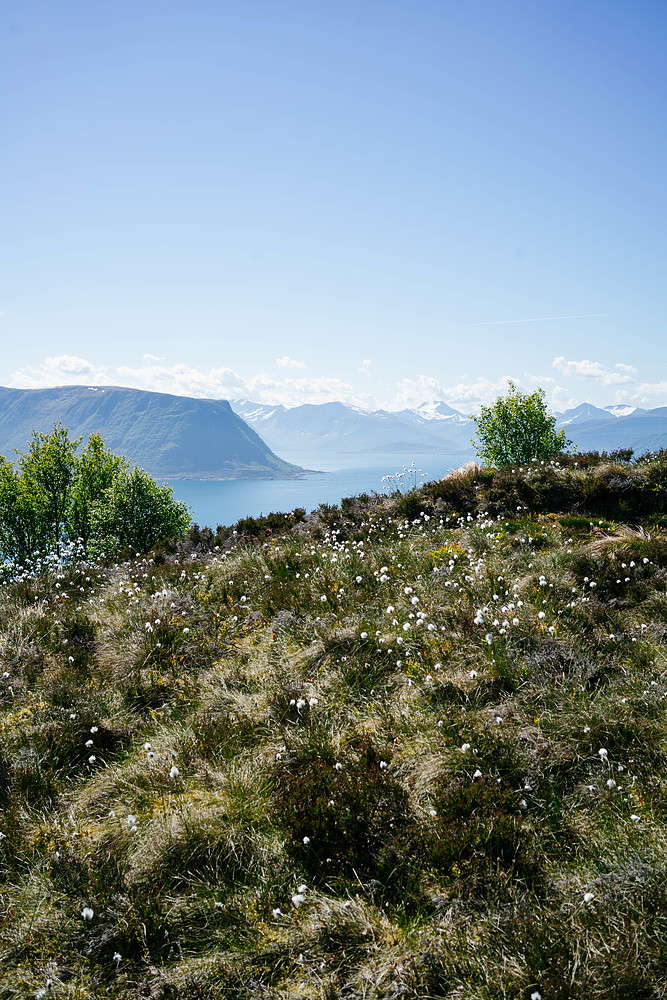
[
  {"x": 339, "y": 427},
  {"x": 435, "y": 426},
  {"x": 169, "y": 436},
  {"x": 594, "y": 428},
  {"x": 182, "y": 437}
]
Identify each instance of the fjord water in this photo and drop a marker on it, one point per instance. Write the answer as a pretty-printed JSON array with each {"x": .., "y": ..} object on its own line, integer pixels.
[{"x": 338, "y": 476}]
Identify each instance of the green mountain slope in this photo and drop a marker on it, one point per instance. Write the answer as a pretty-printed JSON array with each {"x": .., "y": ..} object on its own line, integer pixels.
[{"x": 167, "y": 435}]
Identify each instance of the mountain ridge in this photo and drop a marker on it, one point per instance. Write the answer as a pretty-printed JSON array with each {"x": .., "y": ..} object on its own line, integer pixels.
[
  {"x": 434, "y": 425},
  {"x": 170, "y": 436},
  {"x": 189, "y": 437}
]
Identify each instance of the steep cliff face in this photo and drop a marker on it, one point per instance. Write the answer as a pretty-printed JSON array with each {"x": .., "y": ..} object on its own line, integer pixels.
[{"x": 166, "y": 435}]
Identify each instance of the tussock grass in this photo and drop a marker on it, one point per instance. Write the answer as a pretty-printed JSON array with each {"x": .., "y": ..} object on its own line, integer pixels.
[{"x": 411, "y": 746}]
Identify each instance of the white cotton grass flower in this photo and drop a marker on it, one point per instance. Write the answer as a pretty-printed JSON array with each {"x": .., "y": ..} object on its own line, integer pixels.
[
  {"x": 299, "y": 896},
  {"x": 306, "y": 841},
  {"x": 536, "y": 995},
  {"x": 174, "y": 772},
  {"x": 603, "y": 753},
  {"x": 313, "y": 702},
  {"x": 465, "y": 747},
  {"x": 277, "y": 912},
  {"x": 87, "y": 913},
  {"x": 635, "y": 818},
  {"x": 588, "y": 897},
  {"x": 117, "y": 958},
  {"x": 477, "y": 775}
]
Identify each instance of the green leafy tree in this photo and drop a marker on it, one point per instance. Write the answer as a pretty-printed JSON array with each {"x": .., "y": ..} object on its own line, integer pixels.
[
  {"x": 138, "y": 512},
  {"x": 517, "y": 428},
  {"x": 97, "y": 471},
  {"x": 47, "y": 470},
  {"x": 54, "y": 495},
  {"x": 21, "y": 528}
]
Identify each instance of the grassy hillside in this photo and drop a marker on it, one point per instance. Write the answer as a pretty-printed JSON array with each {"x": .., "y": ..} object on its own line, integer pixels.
[{"x": 411, "y": 747}]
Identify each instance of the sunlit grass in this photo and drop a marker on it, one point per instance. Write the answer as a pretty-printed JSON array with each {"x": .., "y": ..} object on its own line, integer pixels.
[{"x": 414, "y": 747}]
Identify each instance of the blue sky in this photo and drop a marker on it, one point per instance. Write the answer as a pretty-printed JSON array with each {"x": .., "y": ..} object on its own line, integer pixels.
[{"x": 381, "y": 202}]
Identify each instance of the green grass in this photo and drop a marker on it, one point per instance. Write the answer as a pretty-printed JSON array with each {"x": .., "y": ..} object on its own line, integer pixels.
[{"x": 416, "y": 706}]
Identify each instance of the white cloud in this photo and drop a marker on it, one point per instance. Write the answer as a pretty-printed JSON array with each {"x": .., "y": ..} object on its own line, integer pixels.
[
  {"x": 63, "y": 369},
  {"x": 286, "y": 362},
  {"x": 364, "y": 368},
  {"x": 561, "y": 399},
  {"x": 464, "y": 396},
  {"x": 292, "y": 388},
  {"x": 626, "y": 368},
  {"x": 182, "y": 380},
  {"x": 645, "y": 392},
  {"x": 592, "y": 370}
]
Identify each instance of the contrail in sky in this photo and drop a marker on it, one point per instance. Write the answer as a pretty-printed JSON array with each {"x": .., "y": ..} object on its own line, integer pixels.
[{"x": 540, "y": 319}]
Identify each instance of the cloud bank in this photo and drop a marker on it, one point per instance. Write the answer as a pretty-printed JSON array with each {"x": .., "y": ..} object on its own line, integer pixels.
[
  {"x": 593, "y": 370},
  {"x": 292, "y": 388}
]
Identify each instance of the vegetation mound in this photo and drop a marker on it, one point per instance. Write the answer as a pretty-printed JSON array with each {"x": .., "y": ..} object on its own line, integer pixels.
[{"x": 411, "y": 746}]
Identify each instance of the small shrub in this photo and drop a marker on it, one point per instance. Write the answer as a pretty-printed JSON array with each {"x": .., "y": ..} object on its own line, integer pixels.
[
  {"x": 477, "y": 837},
  {"x": 347, "y": 821},
  {"x": 517, "y": 428}
]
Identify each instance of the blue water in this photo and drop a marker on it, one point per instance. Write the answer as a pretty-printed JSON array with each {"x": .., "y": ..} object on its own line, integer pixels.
[{"x": 339, "y": 476}]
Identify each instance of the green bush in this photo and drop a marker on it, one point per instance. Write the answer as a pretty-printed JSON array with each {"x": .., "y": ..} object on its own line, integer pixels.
[
  {"x": 93, "y": 501},
  {"x": 517, "y": 428},
  {"x": 344, "y": 818}
]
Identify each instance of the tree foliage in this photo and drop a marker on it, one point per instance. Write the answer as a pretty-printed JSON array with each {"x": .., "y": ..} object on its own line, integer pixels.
[
  {"x": 55, "y": 494},
  {"x": 517, "y": 428}
]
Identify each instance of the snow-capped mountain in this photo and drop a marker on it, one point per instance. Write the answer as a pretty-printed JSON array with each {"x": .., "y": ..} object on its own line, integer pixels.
[
  {"x": 623, "y": 410},
  {"x": 433, "y": 410},
  {"x": 338, "y": 427},
  {"x": 434, "y": 426},
  {"x": 586, "y": 411},
  {"x": 593, "y": 428},
  {"x": 581, "y": 414}
]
